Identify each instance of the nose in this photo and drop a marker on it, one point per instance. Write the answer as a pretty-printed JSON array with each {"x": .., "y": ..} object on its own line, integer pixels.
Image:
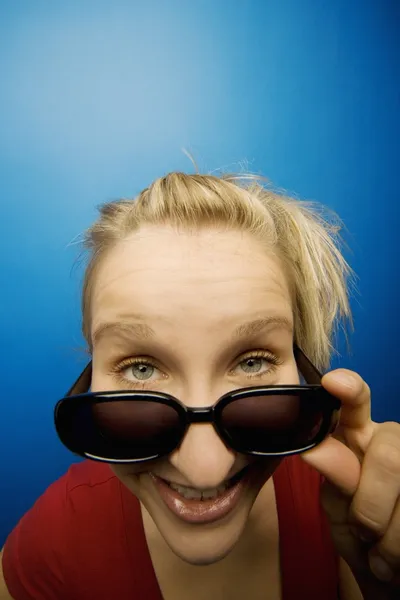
[{"x": 202, "y": 460}]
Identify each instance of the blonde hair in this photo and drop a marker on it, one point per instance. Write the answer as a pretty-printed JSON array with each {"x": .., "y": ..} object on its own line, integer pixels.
[{"x": 298, "y": 232}]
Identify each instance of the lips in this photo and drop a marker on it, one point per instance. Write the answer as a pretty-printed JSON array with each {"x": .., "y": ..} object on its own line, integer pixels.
[{"x": 204, "y": 510}]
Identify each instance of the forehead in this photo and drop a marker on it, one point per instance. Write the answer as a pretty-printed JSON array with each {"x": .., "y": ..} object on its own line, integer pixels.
[{"x": 207, "y": 275}]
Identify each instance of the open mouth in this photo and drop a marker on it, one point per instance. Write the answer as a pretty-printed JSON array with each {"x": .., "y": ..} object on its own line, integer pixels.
[
  {"x": 204, "y": 506},
  {"x": 204, "y": 495}
]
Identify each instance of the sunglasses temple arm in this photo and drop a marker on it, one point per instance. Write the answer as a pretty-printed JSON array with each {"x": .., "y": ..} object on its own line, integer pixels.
[
  {"x": 310, "y": 373},
  {"x": 82, "y": 384}
]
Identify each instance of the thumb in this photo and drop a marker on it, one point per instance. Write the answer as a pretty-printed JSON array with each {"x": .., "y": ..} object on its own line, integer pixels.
[{"x": 336, "y": 463}]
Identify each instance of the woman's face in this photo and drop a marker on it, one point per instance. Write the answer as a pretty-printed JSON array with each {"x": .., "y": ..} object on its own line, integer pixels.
[{"x": 201, "y": 314}]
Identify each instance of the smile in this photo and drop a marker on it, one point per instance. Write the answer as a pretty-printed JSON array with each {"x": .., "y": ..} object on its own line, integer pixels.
[{"x": 203, "y": 506}]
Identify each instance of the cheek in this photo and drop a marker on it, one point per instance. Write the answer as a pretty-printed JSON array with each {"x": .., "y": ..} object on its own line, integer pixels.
[
  {"x": 126, "y": 471},
  {"x": 130, "y": 475}
]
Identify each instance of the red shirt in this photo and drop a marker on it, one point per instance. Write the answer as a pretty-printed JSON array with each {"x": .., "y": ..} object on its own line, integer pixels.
[{"x": 83, "y": 540}]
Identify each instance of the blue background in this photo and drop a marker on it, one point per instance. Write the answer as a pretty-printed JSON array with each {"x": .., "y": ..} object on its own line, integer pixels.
[{"x": 98, "y": 98}]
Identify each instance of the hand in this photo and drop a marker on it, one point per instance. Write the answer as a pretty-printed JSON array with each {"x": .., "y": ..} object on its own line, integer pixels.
[{"x": 361, "y": 493}]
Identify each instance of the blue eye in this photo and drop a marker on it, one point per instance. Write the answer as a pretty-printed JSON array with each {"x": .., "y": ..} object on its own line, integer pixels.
[
  {"x": 142, "y": 371},
  {"x": 253, "y": 364},
  {"x": 138, "y": 370},
  {"x": 259, "y": 363}
]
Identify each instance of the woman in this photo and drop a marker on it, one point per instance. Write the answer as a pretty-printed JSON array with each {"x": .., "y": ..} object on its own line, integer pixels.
[{"x": 200, "y": 287}]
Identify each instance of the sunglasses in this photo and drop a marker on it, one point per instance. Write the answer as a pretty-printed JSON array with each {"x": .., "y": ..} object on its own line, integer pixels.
[{"x": 135, "y": 427}]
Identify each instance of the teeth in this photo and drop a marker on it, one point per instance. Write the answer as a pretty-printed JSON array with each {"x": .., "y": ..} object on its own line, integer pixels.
[
  {"x": 191, "y": 493},
  {"x": 207, "y": 494},
  {"x": 186, "y": 492}
]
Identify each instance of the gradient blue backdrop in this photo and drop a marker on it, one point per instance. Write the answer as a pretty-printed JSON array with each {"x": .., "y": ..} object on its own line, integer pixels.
[{"x": 98, "y": 98}]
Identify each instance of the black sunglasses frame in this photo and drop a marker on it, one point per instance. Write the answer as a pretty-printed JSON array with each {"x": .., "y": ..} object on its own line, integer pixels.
[
  {"x": 329, "y": 407},
  {"x": 313, "y": 391}
]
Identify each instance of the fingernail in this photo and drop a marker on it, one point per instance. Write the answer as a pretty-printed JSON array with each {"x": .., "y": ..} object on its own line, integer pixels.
[
  {"x": 380, "y": 568},
  {"x": 345, "y": 378}
]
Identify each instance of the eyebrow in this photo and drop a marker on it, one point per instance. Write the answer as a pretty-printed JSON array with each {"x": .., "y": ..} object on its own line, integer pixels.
[
  {"x": 252, "y": 328},
  {"x": 124, "y": 328},
  {"x": 141, "y": 331}
]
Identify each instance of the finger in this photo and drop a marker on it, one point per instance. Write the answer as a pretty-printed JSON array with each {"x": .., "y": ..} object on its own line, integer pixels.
[
  {"x": 337, "y": 463},
  {"x": 350, "y": 547},
  {"x": 379, "y": 488},
  {"x": 388, "y": 548},
  {"x": 354, "y": 394}
]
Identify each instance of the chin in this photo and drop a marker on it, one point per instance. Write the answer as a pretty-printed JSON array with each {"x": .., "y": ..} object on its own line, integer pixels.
[
  {"x": 193, "y": 557},
  {"x": 202, "y": 544}
]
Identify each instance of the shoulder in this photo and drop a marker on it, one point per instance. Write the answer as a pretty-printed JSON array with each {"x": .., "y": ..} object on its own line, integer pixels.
[
  {"x": 84, "y": 484},
  {"x": 48, "y": 545},
  {"x": 88, "y": 479}
]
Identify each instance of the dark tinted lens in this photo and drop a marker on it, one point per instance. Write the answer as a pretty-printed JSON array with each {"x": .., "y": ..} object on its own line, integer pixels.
[
  {"x": 124, "y": 429},
  {"x": 278, "y": 423}
]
